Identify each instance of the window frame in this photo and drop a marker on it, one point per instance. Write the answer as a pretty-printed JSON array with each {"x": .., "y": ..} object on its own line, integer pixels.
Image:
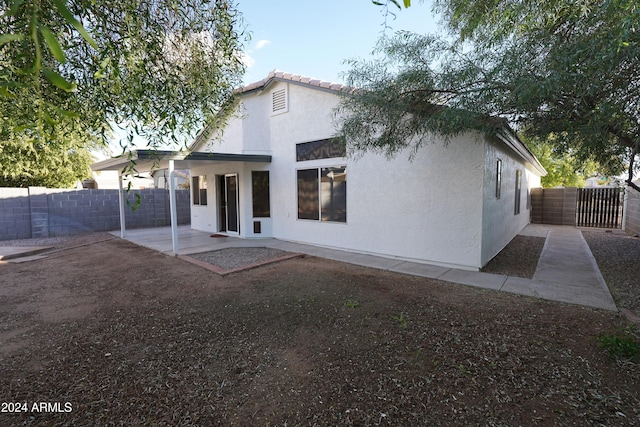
[
  {"x": 308, "y": 214},
  {"x": 518, "y": 193},
  {"x": 256, "y": 202},
  {"x": 199, "y": 190},
  {"x": 319, "y": 213},
  {"x": 498, "y": 178},
  {"x": 319, "y": 149}
]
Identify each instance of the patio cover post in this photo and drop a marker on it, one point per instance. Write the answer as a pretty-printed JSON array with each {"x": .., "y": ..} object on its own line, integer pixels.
[
  {"x": 121, "y": 205},
  {"x": 172, "y": 207}
]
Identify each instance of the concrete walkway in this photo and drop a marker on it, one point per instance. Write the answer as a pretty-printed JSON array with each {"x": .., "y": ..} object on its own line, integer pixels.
[
  {"x": 566, "y": 272},
  {"x": 22, "y": 253}
]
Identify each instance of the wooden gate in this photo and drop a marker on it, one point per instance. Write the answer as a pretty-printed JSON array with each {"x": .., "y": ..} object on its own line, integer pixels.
[{"x": 600, "y": 207}]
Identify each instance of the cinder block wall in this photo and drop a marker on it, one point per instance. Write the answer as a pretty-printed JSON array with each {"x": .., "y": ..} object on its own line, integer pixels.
[
  {"x": 15, "y": 214},
  {"x": 632, "y": 212},
  {"x": 41, "y": 212}
]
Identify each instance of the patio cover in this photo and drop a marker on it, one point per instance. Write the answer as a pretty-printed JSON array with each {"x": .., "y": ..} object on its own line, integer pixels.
[{"x": 150, "y": 160}]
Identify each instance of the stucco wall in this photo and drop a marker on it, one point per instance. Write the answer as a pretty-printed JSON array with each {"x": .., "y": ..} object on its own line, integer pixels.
[
  {"x": 427, "y": 209},
  {"x": 247, "y": 130},
  {"x": 430, "y": 209},
  {"x": 207, "y": 217},
  {"x": 500, "y": 223}
]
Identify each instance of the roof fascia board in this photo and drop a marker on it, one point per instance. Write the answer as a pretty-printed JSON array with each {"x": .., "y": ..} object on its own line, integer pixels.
[
  {"x": 508, "y": 137},
  {"x": 274, "y": 79},
  {"x": 229, "y": 157},
  {"x": 153, "y": 157},
  {"x": 110, "y": 164}
]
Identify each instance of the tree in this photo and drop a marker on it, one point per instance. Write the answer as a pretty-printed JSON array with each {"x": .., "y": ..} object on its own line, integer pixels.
[
  {"x": 566, "y": 68},
  {"x": 60, "y": 162},
  {"x": 563, "y": 169},
  {"x": 71, "y": 71}
]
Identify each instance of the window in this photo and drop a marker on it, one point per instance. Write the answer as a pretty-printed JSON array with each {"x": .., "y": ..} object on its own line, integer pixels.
[
  {"x": 260, "y": 194},
  {"x": 322, "y": 194},
  {"x": 199, "y": 187},
  {"x": 498, "y": 178},
  {"x": 518, "y": 188},
  {"x": 279, "y": 100},
  {"x": 321, "y": 149},
  {"x": 308, "y": 194},
  {"x": 333, "y": 190}
]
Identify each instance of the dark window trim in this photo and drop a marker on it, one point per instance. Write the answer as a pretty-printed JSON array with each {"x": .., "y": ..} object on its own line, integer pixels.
[
  {"x": 308, "y": 198},
  {"x": 518, "y": 191},
  {"x": 199, "y": 192},
  {"x": 498, "y": 178},
  {"x": 327, "y": 148},
  {"x": 260, "y": 197},
  {"x": 332, "y": 214}
]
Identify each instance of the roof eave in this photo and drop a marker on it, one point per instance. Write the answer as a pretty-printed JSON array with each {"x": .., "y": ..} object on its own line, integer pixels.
[{"x": 509, "y": 138}]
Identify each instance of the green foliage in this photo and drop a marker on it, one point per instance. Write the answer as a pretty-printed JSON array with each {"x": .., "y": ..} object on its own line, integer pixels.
[
  {"x": 563, "y": 169},
  {"x": 351, "y": 303},
  {"x": 548, "y": 67},
  {"x": 406, "y": 3},
  {"x": 621, "y": 346},
  {"x": 57, "y": 161},
  {"x": 159, "y": 68},
  {"x": 401, "y": 321}
]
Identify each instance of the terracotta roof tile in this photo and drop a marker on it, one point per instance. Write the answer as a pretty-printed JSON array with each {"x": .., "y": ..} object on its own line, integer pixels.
[{"x": 282, "y": 76}]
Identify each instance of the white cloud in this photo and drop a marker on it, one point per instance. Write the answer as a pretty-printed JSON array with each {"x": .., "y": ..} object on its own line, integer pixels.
[
  {"x": 262, "y": 43},
  {"x": 247, "y": 59}
]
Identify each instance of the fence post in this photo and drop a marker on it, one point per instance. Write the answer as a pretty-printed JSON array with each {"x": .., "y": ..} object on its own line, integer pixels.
[
  {"x": 39, "y": 212},
  {"x": 569, "y": 204},
  {"x": 536, "y": 205}
]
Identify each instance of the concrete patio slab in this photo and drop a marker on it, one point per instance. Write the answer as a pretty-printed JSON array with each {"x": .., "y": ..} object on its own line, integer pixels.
[
  {"x": 567, "y": 271},
  {"x": 418, "y": 269}
]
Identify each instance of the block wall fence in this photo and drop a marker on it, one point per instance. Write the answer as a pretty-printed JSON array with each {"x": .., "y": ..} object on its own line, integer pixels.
[
  {"x": 42, "y": 212},
  {"x": 632, "y": 212},
  {"x": 559, "y": 206}
]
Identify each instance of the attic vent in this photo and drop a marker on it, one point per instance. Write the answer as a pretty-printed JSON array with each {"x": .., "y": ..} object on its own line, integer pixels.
[{"x": 279, "y": 101}]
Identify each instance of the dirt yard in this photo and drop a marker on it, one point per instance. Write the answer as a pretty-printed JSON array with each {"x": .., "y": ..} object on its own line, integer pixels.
[{"x": 114, "y": 334}]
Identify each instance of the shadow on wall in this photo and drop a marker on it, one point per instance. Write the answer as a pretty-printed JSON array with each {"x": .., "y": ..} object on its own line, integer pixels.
[{"x": 40, "y": 212}]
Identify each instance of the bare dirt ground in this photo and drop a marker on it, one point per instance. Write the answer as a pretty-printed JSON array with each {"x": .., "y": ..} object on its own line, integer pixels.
[
  {"x": 518, "y": 259},
  {"x": 114, "y": 334},
  {"x": 617, "y": 255}
]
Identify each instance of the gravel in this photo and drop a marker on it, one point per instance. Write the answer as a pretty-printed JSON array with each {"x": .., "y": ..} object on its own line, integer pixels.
[
  {"x": 231, "y": 258},
  {"x": 56, "y": 242},
  {"x": 44, "y": 241},
  {"x": 519, "y": 258},
  {"x": 617, "y": 256}
]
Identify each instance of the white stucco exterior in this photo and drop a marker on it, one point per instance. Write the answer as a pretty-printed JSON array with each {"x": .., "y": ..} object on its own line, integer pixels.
[{"x": 439, "y": 208}]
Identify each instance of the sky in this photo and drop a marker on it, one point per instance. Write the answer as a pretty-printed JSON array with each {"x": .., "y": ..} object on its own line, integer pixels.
[{"x": 314, "y": 38}]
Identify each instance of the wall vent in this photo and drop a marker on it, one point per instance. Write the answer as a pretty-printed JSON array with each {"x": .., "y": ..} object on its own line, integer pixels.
[{"x": 279, "y": 102}]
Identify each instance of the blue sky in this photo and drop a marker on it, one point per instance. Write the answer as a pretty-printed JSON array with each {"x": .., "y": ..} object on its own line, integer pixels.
[{"x": 313, "y": 38}]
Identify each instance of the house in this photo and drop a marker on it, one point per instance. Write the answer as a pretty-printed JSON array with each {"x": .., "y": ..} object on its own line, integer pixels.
[
  {"x": 604, "y": 182},
  {"x": 276, "y": 171}
]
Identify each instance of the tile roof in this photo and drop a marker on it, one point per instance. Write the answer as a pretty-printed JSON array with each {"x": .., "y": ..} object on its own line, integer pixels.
[{"x": 278, "y": 75}]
